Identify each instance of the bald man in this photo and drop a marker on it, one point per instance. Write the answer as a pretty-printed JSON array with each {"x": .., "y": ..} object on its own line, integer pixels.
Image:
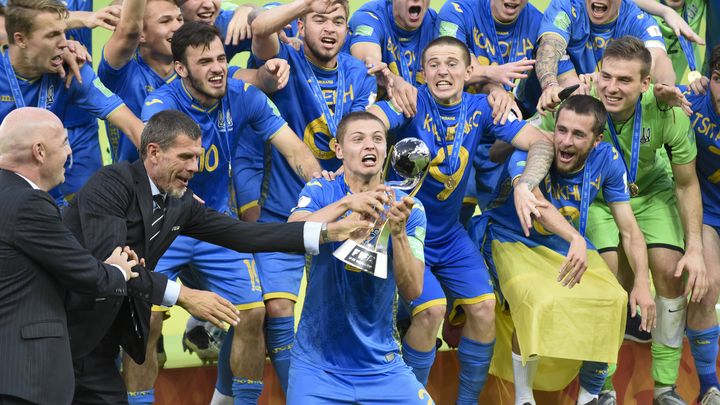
[{"x": 40, "y": 260}]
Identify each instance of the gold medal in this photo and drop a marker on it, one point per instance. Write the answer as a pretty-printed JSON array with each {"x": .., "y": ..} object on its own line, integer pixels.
[
  {"x": 450, "y": 183},
  {"x": 694, "y": 75},
  {"x": 634, "y": 190}
]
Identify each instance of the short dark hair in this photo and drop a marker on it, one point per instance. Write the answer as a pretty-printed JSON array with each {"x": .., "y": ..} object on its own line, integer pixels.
[
  {"x": 345, "y": 4},
  {"x": 20, "y": 15},
  {"x": 349, "y": 119},
  {"x": 192, "y": 34},
  {"x": 586, "y": 105},
  {"x": 630, "y": 48},
  {"x": 714, "y": 60},
  {"x": 448, "y": 41},
  {"x": 164, "y": 127}
]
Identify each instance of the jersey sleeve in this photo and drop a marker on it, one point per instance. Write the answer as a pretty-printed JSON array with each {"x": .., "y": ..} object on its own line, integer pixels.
[
  {"x": 614, "y": 187},
  {"x": 395, "y": 117},
  {"x": 366, "y": 94},
  {"x": 416, "y": 228},
  {"x": 504, "y": 132},
  {"x": 153, "y": 104},
  {"x": 451, "y": 21},
  {"x": 516, "y": 163},
  {"x": 680, "y": 137},
  {"x": 311, "y": 197},
  {"x": 113, "y": 78},
  {"x": 92, "y": 95},
  {"x": 645, "y": 28},
  {"x": 263, "y": 116},
  {"x": 222, "y": 22},
  {"x": 557, "y": 19},
  {"x": 366, "y": 26}
]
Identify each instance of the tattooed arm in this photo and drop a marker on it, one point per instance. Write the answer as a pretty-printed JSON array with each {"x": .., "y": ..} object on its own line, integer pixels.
[
  {"x": 552, "y": 47},
  {"x": 540, "y": 156},
  {"x": 297, "y": 154}
]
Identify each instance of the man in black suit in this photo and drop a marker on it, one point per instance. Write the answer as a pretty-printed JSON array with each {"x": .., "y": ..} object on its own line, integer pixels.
[
  {"x": 120, "y": 204},
  {"x": 40, "y": 260}
]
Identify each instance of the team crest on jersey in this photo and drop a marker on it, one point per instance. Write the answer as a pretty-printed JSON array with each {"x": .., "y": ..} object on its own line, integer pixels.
[
  {"x": 149, "y": 88},
  {"x": 50, "y": 96},
  {"x": 222, "y": 120},
  {"x": 645, "y": 136}
]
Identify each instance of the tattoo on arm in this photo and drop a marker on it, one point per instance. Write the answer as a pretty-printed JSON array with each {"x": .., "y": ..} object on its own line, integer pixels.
[
  {"x": 549, "y": 52},
  {"x": 539, "y": 159},
  {"x": 300, "y": 172}
]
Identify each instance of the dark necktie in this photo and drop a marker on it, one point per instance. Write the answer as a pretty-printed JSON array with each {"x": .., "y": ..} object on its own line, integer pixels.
[{"x": 157, "y": 216}]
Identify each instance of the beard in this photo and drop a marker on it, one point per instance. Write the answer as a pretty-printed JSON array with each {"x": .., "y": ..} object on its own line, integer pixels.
[{"x": 199, "y": 86}]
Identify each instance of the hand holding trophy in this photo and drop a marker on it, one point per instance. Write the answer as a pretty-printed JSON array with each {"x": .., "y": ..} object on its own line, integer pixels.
[{"x": 410, "y": 157}]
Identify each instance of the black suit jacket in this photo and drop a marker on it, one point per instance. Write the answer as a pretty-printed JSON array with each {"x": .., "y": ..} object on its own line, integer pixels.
[
  {"x": 115, "y": 208},
  {"x": 40, "y": 260}
]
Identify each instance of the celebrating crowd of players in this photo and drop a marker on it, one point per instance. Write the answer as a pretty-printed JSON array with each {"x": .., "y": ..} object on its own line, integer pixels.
[{"x": 582, "y": 198}]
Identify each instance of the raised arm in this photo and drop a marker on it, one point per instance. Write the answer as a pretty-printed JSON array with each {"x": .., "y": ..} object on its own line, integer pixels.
[
  {"x": 123, "y": 42},
  {"x": 106, "y": 17},
  {"x": 297, "y": 154},
  {"x": 123, "y": 119},
  {"x": 672, "y": 19},
  {"x": 408, "y": 258},
  {"x": 551, "y": 48}
]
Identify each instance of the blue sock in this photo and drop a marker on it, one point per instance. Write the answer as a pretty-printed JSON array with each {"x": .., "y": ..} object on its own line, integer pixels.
[
  {"x": 141, "y": 397},
  {"x": 704, "y": 347},
  {"x": 419, "y": 362},
  {"x": 280, "y": 335},
  {"x": 592, "y": 376},
  {"x": 246, "y": 392},
  {"x": 224, "y": 373},
  {"x": 474, "y": 364}
]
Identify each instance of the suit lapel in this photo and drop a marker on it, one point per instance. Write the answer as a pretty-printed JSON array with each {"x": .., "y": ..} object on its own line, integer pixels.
[{"x": 144, "y": 198}]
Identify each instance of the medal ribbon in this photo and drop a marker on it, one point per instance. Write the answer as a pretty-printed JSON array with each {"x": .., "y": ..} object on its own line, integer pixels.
[
  {"x": 635, "y": 146},
  {"x": 442, "y": 130},
  {"x": 488, "y": 21},
  {"x": 585, "y": 195},
  {"x": 15, "y": 86},
  {"x": 425, "y": 37},
  {"x": 686, "y": 46},
  {"x": 333, "y": 119}
]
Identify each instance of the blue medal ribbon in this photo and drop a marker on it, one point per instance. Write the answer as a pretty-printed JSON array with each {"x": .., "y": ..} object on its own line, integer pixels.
[
  {"x": 442, "y": 130},
  {"x": 15, "y": 86},
  {"x": 409, "y": 75},
  {"x": 686, "y": 46},
  {"x": 635, "y": 146},
  {"x": 585, "y": 195},
  {"x": 488, "y": 21},
  {"x": 333, "y": 119}
]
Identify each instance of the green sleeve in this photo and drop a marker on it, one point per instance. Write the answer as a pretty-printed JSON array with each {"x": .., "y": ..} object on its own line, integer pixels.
[{"x": 680, "y": 137}]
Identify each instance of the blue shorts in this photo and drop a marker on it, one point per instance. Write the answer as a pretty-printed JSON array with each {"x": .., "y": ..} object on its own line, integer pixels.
[
  {"x": 230, "y": 274},
  {"x": 281, "y": 274},
  {"x": 86, "y": 157},
  {"x": 457, "y": 268},
  {"x": 312, "y": 386}
]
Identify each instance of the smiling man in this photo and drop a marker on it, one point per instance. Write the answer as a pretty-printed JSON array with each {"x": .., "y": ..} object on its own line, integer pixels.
[
  {"x": 669, "y": 213},
  {"x": 227, "y": 110},
  {"x": 451, "y": 122}
]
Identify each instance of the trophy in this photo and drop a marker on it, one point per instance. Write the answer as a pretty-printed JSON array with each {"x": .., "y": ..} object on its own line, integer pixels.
[{"x": 410, "y": 157}]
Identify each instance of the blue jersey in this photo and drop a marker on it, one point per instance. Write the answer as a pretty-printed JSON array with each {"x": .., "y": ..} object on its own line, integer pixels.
[
  {"x": 132, "y": 82},
  {"x": 248, "y": 169},
  {"x": 348, "y": 319},
  {"x": 92, "y": 96},
  {"x": 444, "y": 187},
  {"x": 221, "y": 23},
  {"x": 243, "y": 108},
  {"x": 76, "y": 116},
  {"x": 564, "y": 192},
  {"x": 705, "y": 121},
  {"x": 298, "y": 105},
  {"x": 586, "y": 42},
  {"x": 469, "y": 20},
  {"x": 373, "y": 22}
]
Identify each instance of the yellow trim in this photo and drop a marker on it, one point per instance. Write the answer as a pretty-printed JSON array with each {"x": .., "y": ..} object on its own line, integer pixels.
[
  {"x": 431, "y": 303},
  {"x": 113, "y": 111},
  {"x": 469, "y": 200},
  {"x": 278, "y": 131},
  {"x": 171, "y": 78},
  {"x": 459, "y": 319},
  {"x": 250, "y": 305},
  {"x": 249, "y": 205},
  {"x": 193, "y": 105},
  {"x": 337, "y": 63},
  {"x": 276, "y": 295}
]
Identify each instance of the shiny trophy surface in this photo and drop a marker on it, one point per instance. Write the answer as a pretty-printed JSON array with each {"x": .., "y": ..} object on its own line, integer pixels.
[{"x": 410, "y": 157}]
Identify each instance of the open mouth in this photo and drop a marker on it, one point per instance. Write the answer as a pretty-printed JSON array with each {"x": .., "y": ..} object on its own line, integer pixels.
[
  {"x": 206, "y": 15},
  {"x": 414, "y": 12},
  {"x": 184, "y": 180},
  {"x": 443, "y": 85},
  {"x": 598, "y": 9},
  {"x": 565, "y": 157},
  {"x": 613, "y": 100},
  {"x": 511, "y": 7},
  {"x": 216, "y": 80},
  {"x": 56, "y": 61},
  {"x": 369, "y": 160}
]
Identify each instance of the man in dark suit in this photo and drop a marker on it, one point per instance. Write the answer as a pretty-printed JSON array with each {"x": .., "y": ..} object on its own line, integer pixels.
[
  {"x": 40, "y": 260},
  {"x": 146, "y": 205}
]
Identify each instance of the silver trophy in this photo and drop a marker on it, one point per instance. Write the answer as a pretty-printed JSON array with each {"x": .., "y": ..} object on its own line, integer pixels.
[{"x": 410, "y": 158}]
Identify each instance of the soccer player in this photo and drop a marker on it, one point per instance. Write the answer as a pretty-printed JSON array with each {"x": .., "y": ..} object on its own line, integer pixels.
[
  {"x": 231, "y": 22},
  {"x": 501, "y": 35},
  {"x": 359, "y": 361},
  {"x": 583, "y": 29},
  {"x": 669, "y": 214},
  {"x": 34, "y": 57},
  {"x": 324, "y": 86},
  {"x": 226, "y": 110},
  {"x": 394, "y": 32},
  {"x": 450, "y": 259},
  {"x": 527, "y": 267}
]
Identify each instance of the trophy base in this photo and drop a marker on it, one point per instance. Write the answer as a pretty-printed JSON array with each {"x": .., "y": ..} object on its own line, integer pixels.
[{"x": 362, "y": 258}]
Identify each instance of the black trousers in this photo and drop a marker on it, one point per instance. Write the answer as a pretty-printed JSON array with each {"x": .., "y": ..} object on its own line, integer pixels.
[
  {"x": 98, "y": 380},
  {"x": 9, "y": 400}
]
